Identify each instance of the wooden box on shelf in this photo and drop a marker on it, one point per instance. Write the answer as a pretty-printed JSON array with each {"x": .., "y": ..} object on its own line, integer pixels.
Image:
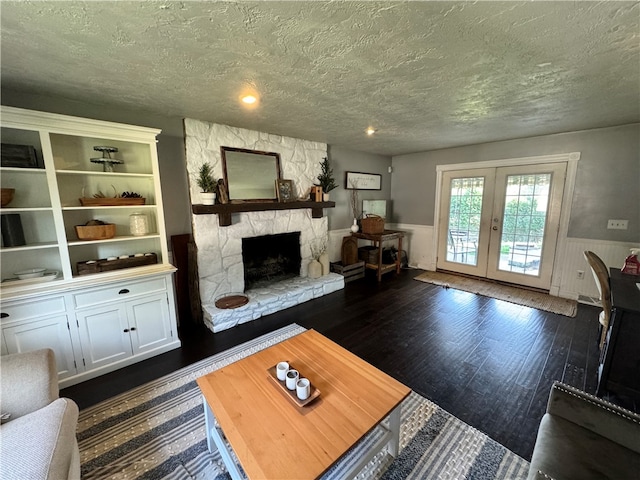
[
  {"x": 368, "y": 254},
  {"x": 110, "y": 202},
  {"x": 104, "y": 265},
  {"x": 350, "y": 272}
]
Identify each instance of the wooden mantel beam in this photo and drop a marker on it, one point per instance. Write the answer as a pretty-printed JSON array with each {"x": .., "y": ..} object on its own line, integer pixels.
[{"x": 225, "y": 210}]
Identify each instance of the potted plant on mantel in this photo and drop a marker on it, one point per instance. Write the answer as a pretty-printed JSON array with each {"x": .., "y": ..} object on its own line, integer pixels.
[
  {"x": 325, "y": 179},
  {"x": 208, "y": 184}
]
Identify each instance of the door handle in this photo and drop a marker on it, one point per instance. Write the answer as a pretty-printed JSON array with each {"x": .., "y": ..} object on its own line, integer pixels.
[
  {"x": 123, "y": 291},
  {"x": 4, "y": 315},
  {"x": 494, "y": 228}
]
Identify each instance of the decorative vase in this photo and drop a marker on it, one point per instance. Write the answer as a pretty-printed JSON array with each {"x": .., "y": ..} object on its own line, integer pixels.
[
  {"x": 325, "y": 197},
  {"x": 208, "y": 198},
  {"x": 12, "y": 233},
  {"x": 355, "y": 227},
  {"x": 315, "y": 269},
  {"x": 138, "y": 224},
  {"x": 324, "y": 262}
]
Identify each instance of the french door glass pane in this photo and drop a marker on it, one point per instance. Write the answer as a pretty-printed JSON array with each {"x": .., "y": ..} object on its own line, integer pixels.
[
  {"x": 523, "y": 223},
  {"x": 465, "y": 210}
]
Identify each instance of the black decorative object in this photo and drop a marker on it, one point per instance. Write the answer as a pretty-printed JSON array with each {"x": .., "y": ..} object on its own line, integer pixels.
[
  {"x": 106, "y": 160},
  {"x": 12, "y": 233},
  {"x": 23, "y": 156}
]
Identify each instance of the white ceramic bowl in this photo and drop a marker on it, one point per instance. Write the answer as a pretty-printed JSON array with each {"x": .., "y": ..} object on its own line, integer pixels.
[{"x": 31, "y": 273}]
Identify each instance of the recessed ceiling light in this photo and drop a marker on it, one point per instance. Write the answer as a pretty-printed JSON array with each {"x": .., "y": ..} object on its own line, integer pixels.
[
  {"x": 249, "y": 99},
  {"x": 370, "y": 131}
]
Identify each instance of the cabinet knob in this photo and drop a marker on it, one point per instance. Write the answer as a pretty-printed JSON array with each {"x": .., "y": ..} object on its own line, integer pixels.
[
  {"x": 126, "y": 330},
  {"x": 133, "y": 328},
  {"x": 4, "y": 315},
  {"x": 123, "y": 291}
]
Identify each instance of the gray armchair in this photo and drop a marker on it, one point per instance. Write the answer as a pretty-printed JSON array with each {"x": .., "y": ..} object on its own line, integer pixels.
[
  {"x": 38, "y": 439},
  {"x": 584, "y": 437}
]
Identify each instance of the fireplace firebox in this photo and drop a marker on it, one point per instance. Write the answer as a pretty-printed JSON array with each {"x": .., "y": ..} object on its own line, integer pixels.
[{"x": 269, "y": 259}]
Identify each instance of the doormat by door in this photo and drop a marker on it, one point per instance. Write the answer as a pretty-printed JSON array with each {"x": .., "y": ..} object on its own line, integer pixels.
[{"x": 519, "y": 296}]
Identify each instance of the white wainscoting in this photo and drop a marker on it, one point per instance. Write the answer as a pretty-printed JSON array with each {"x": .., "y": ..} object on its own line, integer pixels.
[
  {"x": 419, "y": 243},
  {"x": 335, "y": 243},
  {"x": 611, "y": 253}
]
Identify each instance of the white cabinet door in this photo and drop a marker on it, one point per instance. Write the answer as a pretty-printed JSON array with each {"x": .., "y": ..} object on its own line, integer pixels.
[
  {"x": 51, "y": 333},
  {"x": 104, "y": 335},
  {"x": 149, "y": 322}
]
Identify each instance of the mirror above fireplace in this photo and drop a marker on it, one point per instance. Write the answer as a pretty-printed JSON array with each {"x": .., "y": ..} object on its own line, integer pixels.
[{"x": 250, "y": 175}]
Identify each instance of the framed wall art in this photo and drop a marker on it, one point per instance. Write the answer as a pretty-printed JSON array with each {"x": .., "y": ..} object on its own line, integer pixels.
[
  {"x": 362, "y": 181},
  {"x": 284, "y": 189}
]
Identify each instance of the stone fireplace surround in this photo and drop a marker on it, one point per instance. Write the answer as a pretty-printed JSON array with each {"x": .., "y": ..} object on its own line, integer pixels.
[{"x": 220, "y": 267}]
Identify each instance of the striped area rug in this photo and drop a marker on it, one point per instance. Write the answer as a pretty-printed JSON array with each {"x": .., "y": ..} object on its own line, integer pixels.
[{"x": 156, "y": 431}]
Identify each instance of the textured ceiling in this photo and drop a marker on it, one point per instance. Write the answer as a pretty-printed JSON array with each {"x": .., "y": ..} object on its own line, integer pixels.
[{"x": 426, "y": 75}]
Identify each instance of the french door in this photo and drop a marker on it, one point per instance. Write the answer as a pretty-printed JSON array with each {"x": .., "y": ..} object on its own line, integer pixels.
[{"x": 501, "y": 223}]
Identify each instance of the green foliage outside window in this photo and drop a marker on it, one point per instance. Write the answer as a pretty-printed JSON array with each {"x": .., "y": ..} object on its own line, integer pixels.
[
  {"x": 464, "y": 212},
  {"x": 522, "y": 222}
]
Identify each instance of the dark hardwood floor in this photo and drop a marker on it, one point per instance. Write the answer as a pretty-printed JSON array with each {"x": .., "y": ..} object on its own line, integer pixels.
[{"x": 488, "y": 362}]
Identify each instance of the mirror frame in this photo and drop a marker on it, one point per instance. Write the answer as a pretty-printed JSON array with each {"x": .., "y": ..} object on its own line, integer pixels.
[{"x": 225, "y": 161}]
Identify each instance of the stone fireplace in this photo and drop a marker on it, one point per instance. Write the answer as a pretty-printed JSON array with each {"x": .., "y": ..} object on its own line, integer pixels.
[
  {"x": 270, "y": 259},
  {"x": 221, "y": 267}
]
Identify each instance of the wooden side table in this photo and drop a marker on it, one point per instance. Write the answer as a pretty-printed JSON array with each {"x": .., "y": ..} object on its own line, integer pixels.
[{"x": 377, "y": 239}]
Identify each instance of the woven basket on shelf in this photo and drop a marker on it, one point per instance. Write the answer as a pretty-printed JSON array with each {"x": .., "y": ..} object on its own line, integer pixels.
[
  {"x": 373, "y": 224},
  {"x": 96, "y": 232}
]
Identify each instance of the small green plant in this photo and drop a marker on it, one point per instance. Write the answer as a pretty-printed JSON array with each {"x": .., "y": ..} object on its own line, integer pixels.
[
  {"x": 325, "y": 179},
  {"x": 206, "y": 180}
]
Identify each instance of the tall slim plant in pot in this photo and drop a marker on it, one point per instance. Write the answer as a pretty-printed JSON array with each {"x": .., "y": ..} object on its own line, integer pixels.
[
  {"x": 208, "y": 184},
  {"x": 325, "y": 179}
]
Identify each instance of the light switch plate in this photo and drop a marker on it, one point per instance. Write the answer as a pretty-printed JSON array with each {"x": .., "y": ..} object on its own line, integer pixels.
[{"x": 617, "y": 224}]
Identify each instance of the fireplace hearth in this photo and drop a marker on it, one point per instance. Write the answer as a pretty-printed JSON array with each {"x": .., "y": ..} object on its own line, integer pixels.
[{"x": 270, "y": 259}]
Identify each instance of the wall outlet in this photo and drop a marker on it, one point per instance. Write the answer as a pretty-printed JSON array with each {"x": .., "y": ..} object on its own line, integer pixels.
[
  {"x": 580, "y": 274},
  {"x": 617, "y": 224}
]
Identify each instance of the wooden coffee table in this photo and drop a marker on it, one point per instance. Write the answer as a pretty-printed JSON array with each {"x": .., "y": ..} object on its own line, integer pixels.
[{"x": 272, "y": 437}]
